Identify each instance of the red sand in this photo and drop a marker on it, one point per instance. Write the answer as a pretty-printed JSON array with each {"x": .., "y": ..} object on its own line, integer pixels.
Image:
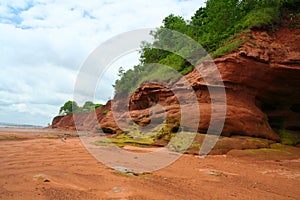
[{"x": 42, "y": 168}]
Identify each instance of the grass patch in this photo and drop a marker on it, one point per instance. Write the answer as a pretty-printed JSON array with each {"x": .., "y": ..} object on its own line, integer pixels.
[
  {"x": 105, "y": 112},
  {"x": 260, "y": 17},
  {"x": 187, "y": 70},
  {"x": 158, "y": 73},
  {"x": 228, "y": 48}
]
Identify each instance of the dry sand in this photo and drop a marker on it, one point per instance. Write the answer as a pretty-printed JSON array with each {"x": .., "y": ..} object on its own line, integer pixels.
[{"x": 40, "y": 167}]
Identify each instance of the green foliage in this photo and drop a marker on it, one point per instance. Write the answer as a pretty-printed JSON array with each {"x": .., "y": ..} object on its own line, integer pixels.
[
  {"x": 293, "y": 5},
  {"x": 105, "y": 112},
  {"x": 98, "y": 105},
  {"x": 68, "y": 108},
  {"x": 213, "y": 27},
  {"x": 228, "y": 48},
  {"x": 71, "y": 107},
  {"x": 174, "y": 61},
  {"x": 159, "y": 74},
  {"x": 150, "y": 54},
  {"x": 186, "y": 70},
  {"x": 132, "y": 79},
  {"x": 88, "y": 106},
  {"x": 259, "y": 18}
]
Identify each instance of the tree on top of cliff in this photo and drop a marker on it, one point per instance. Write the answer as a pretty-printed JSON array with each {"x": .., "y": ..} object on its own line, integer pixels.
[
  {"x": 68, "y": 108},
  {"x": 89, "y": 106},
  {"x": 213, "y": 26},
  {"x": 71, "y": 107}
]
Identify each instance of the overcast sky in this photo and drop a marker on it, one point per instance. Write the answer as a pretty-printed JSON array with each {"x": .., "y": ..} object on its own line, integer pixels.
[{"x": 43, "y": 43}]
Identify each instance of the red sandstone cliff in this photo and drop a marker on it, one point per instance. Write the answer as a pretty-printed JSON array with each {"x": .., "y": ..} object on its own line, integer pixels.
[{"x": 261, "y": 79}]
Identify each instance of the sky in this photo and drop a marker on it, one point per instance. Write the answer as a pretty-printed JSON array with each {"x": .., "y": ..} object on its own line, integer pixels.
[{"x": 43, "y": 44}]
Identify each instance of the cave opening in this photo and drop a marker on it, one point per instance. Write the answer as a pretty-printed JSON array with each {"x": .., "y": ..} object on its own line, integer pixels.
[
  {"x": 295, "y": 108},
  {"x": 275, "y": 113}
]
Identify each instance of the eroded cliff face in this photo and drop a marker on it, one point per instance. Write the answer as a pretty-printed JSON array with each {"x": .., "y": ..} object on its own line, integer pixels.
[
  {"x": 86, "y": 121},
  {"x": 261, "y": 80}
]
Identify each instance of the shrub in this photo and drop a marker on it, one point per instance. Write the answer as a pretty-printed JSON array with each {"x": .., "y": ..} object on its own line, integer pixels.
[
  {"x": 258, "y": 18},
  {"x": 228, "y": 48},
  {"x": 105, "y": 112}
]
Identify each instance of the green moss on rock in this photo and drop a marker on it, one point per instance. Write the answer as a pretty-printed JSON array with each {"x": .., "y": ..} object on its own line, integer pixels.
[{"x": 289, "y": 137}]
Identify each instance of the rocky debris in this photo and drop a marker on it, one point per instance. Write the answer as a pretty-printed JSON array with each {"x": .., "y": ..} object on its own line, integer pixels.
[
  {"x": 213, "y": 172},
  {"x": 42, "y": 177},
  {"x": 116, "y": 189},
  {"x": 125, "y": 170}
]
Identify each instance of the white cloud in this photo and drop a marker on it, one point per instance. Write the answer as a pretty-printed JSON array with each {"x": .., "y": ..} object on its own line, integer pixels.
[
  {"x": 21, "y": 107},
  {"x": 44, "y": 42}
]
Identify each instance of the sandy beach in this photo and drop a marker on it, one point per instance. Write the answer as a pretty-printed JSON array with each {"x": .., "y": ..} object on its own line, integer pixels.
[
  {"x": 150, "y": 100},
  {"x": 39, "y": 165}
]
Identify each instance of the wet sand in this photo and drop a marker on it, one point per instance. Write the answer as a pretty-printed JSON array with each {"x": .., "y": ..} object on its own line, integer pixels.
[{"x": 38, "y": 164}]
